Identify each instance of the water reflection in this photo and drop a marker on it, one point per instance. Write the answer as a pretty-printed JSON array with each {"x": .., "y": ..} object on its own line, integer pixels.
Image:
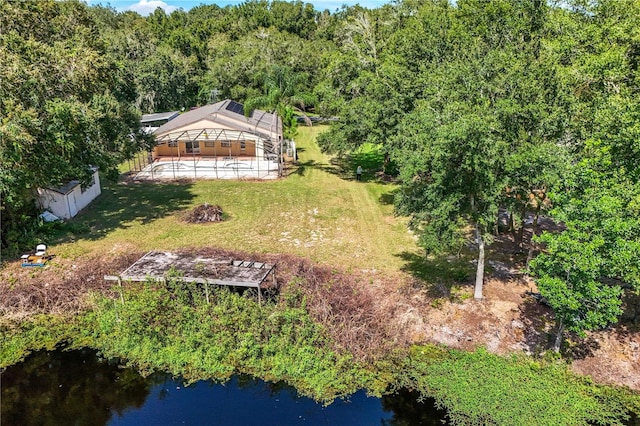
[
  {"x": 76, "y": 388},
  {"x": 68, "y": 388},
  {"x": 408, "y": 410}
]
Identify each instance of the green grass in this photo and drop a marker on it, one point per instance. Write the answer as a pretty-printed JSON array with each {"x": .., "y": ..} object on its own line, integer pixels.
[{"x": 318, "y": 211}]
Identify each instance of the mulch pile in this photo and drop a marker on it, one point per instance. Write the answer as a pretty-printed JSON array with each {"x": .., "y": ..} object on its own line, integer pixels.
[{"x": 205, "y": 213}]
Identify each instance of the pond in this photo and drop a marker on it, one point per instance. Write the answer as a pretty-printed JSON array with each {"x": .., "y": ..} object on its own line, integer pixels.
[{"x": 78, "y": 388}]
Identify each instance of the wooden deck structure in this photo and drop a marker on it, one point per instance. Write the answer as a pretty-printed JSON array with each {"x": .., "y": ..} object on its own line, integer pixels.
[{"x": 156, "y": 265}]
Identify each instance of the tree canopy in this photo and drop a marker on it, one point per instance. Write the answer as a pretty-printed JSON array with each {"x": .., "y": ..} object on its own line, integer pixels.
[
  {"x": 63, "y": 106},
  {"x": 523, "y": 106}
]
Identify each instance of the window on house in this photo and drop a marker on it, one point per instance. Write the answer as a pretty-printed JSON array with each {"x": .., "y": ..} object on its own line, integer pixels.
[
  {"x": 243, "y": 146},
  {"x": 192, "y": 147},
  {"x": 173, "y": 144},
  {"x": 225, "y": 144},
  {"x": 209, "y": 144}
]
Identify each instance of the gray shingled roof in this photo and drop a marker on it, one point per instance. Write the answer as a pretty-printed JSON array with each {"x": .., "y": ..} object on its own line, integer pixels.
[
  {"x": 260, "y": 122},
  {"x": 157, "y": 116}
]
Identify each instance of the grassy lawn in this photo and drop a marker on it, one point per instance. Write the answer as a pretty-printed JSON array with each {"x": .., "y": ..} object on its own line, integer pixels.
[{"x": 319, "y": 212}]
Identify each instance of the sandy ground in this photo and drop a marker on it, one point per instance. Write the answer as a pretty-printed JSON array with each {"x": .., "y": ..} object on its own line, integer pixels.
[{"x": 508, "y": 321}]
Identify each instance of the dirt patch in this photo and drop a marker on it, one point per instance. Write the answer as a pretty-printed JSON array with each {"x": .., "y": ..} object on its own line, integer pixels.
[
  {"x": 497, "y": 322},
  {"x": 611, "y": 357}
]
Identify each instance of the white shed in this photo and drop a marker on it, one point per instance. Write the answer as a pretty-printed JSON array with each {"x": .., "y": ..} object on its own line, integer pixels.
[{"x": 66, "y": 201}]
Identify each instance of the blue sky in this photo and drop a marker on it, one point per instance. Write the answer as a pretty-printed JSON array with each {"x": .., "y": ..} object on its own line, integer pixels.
[{"x": 144, "y": 7}]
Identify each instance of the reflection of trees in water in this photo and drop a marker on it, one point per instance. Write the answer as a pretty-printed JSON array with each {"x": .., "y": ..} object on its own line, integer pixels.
[
  {"x": 77, "y": 388},
  {"x": 408, "y": 411},
  {"x": 53, "y": 388},
  {"x": 245, "y": 381}
]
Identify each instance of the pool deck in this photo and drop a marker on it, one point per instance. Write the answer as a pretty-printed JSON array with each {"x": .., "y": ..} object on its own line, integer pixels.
[{"x": 210, "y": 168}]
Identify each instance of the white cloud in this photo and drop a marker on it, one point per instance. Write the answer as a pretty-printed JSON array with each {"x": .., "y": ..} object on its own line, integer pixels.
[{"x": 146, "y": 7}]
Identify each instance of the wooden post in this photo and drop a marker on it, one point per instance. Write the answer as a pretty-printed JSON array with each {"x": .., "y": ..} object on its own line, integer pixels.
[
  {"x": 120, "y": 285},
  {"x": 206, "y": 291},
  {"x": 115, "y": 308},
  {"x": 273, "y": 274}
]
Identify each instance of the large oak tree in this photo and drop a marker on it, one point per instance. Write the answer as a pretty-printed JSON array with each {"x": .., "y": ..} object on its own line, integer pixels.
[{"x": 61, "y": 107}]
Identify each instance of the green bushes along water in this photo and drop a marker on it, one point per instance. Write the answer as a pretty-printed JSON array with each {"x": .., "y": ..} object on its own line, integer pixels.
[{"x": 173, "y": 328}]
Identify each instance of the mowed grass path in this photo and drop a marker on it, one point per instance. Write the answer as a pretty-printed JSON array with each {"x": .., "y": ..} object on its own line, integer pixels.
[{"x": 315, "y": 212}]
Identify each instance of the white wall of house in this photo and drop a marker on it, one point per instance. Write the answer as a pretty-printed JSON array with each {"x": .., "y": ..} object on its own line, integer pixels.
[{"x": 67, "y": 201}]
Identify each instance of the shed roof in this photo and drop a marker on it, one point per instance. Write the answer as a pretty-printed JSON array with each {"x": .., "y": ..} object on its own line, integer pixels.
[
  {"x": 66, "y": 188},
  {"x": 69, "y": 186}
]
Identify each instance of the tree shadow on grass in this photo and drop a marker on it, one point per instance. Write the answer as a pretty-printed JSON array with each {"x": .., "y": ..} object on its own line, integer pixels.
[
  {"x": 345, "y": 166},
  {"x": 300, "y": 168},
  {"x": 371, "y": 161},
  {"x": 126, "y": 204},
  {"x": 388, "y": 198},
  {"x": 438, "y": 274}
]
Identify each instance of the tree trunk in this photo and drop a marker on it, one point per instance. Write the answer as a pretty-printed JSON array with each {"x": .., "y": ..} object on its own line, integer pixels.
[
  {"x": 534, "y": 228},
  {"x": 532, "y": 244},
  {"x": 477, "y": 294},
  {"x": 385, "y": 164},
  {"x": 558, "y": 342},
  {"x": 521, "y": 231},
  {"x": 512, "y": 226}
]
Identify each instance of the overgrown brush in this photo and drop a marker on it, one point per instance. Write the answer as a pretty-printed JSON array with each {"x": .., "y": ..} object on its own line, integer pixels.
[
  {"x": 61, "y": 288},
  {"x": 361, "y": 318},
  {"x": 364, "y": 320},
  {"x": 157, "y": 328}
]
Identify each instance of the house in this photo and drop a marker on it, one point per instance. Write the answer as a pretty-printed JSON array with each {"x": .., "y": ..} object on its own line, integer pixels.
[
  {"x": 151, "y": 122},
  {"x": 67, "y": 200},
  {"x": 220, "y": 130}
]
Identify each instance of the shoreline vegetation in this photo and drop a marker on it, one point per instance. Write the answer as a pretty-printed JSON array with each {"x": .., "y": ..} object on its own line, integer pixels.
[
  {"x": 172, "y": 329},
  {"x": 330, "y": 331}
]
